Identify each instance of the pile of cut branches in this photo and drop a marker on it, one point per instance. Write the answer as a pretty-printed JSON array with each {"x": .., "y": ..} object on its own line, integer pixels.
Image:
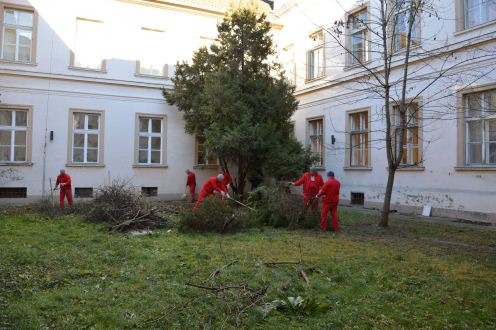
[{"x": 121, "y": 206}]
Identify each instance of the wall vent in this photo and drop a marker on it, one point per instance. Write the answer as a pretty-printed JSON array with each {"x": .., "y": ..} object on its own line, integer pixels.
[
  {"x": 83, "y": 192},
  {"x": 149, "y": 191},
  {"x": 13, "y": 192},
  {"x": 357, "y": 198}
]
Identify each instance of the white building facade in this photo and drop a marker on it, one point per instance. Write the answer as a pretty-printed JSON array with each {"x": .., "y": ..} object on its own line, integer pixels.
[
  {"x": 81, "y": 89},
  {"x": 449, "y": 160}
]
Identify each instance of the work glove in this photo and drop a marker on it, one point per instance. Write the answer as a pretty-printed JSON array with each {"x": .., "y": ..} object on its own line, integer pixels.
[
  {"x": 228, "y": 196},
  {"x": 290, "y": 184},
  {"x": 223, "y": 194}
]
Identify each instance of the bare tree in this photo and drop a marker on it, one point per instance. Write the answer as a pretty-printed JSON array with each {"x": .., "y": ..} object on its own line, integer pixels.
[{"x": 394, "y": 66}]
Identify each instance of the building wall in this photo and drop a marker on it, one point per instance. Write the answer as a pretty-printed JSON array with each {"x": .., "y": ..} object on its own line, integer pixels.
[
  {"x": 51, "y": 87},
  {"x": 439, "y": 181}
]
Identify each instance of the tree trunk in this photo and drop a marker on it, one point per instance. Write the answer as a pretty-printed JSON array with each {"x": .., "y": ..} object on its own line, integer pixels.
[{"x": 386, "y": 207}]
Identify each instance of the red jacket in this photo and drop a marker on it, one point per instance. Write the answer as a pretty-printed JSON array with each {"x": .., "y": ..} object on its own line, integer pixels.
[
  {"x": 64, "y": 178},
  {"x": 210, "y": 186},
  {"x": 191, "y": 179},
  {"x": 310, "y": 188},
  {"x": 227, "y": 180},
  {"x": 330, "y": 191}
]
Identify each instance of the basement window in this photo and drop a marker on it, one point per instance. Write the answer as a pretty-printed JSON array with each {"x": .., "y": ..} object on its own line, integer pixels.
[
  {"x": 83, "y": 192},
  {"x": 149, "y": 191},
  {"x": 357, "y": 198},
  {"x": 13, "y": 192}
]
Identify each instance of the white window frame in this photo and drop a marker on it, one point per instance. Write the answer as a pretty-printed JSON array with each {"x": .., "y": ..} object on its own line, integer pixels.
[
  {"x": 31, "y": 29},
  {"x": 363, "y": 132},
  {"x": 483, "y": 10},
  {"x": 86, "y": 131},
  {"x": 74, "y": 54},
  {"x": 485, "y": 117},
  {"x": 315, "y": 138},
  {"x": 205, "y": 161},
  {"x": 361, "y": 30},
  {"x": 316, "y": 69},
  {"x": 413, "y": 121},
  {"x": 149, "y": 135},
  {"x": 415, "y": 37},
  {"x": 13, "y": 128}
]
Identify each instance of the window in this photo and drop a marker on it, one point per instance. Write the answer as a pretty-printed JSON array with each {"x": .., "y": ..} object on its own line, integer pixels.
[
  {"x": 480, "y": 127},
  {"x": 83, "y": 192},
  {"x": 17, "y": 34},
  {"x": 359, "y": 139},
  {"x": 149, "y": 191},
  {"x": 203, "y": 156},
  {"x": 358, "y": 38},
  {"x": 290, "y": 64},
  {"x": 14, "y": 132},
  {"x": 357, "y": 198},
  {"x": 411, "y": 138},
  {"x": 89, "y": 46},
  {"x": 316, "y": 139},
  {"x": 403, "y": 10},
  {"x": 150, "y": 141},
  {"x": 86, "y": 138},
  {"x": 151, "y": 61},
  {"x": 315, "y": 57},
  {"x": 13, "y": 192},
  {"x": 478, "y": 12}
]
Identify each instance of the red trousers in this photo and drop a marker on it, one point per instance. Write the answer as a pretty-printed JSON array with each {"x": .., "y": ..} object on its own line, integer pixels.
[
  {"x": 333, "y": 208},
  {"x": 310, "y": 203},
  {"x": 200, "y": 199},
  {"x": 65, "y": 193},
  {"x": 192, "y": 190}
]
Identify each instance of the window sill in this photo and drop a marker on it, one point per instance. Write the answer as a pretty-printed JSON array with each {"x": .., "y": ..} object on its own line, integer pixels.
[
  {"x": 474, "y": 28},
  {"x": 2, "y": 61},
  {"x": 357, "y": 168},
  {"x": 205, "y": 167},
  {"x": 84, "y": 165},
  {"x": 403, "y": 50},
  {"x": 17, "y": 164},
  {"x": 475, "y": 168},
  {"x": 86, "y": 69},
  {"x": 141, "y": 75},
  {"x": 411, "y": 169},
  {"x": 349, "y": 67},
  {"x": 307, "y": 81},
  {"x": 149, "y": 166}
]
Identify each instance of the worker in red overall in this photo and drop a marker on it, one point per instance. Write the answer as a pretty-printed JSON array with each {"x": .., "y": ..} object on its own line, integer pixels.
[
  {"x": 191, "y": 183},
  {"x": 212, "y": 185},
  {"x": 312, "y": 182},
  {"x": 330, "y": 202},
  {"x": 227, "y": 180},
  {"x": 64, "y": 180}
]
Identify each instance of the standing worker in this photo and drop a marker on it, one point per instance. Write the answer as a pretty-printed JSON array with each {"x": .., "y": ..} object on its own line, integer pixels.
[
  {"x": 312, "y": 182},
  {"x": 191, "y": 183},
  {"x": 64, "y": 180},
  {"x": 209, "y": 188},
  {"x": 330, "y": 202}
]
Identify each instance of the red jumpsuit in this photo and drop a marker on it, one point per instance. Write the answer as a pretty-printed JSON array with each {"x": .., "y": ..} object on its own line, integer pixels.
[
  {"x": 65, "y": 189},
  {"x": 227, "y": 180},
  {"x": 310, "y": 188},
  {"x": 191, "y": 182},
  {"x": 208, "y": 189},
  {"x": 330, "y": 191}
]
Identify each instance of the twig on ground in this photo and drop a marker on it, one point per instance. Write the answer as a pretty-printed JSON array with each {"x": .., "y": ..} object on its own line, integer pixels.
[
  {"x": 218, "y": 270},
  {"x": 273, "y": 263},
  {"x": 222, "y": 288}
]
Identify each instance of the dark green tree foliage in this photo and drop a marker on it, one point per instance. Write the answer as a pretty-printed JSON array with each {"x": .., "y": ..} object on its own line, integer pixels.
[{"x": 235, "y": 97}]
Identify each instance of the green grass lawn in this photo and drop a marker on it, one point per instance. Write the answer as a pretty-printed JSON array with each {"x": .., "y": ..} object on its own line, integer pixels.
[{"x": 64, "y": 273}]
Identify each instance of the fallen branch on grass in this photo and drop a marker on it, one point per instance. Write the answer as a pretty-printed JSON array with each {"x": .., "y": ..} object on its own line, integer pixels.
[
  {"x": 273, "y": 263},
  {"x": 218, "y": 270},
  {"x": 222, "y": 288}
]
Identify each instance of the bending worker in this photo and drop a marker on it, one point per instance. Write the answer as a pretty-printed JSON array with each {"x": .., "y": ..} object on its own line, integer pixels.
[
  {"x": 212, "y": 185},
  {"x": 330, "y": 202},
  {"x": 312, "y": 182},
  {"x": 191, "y": 183},
  {"x": 64, "y": 180}
]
